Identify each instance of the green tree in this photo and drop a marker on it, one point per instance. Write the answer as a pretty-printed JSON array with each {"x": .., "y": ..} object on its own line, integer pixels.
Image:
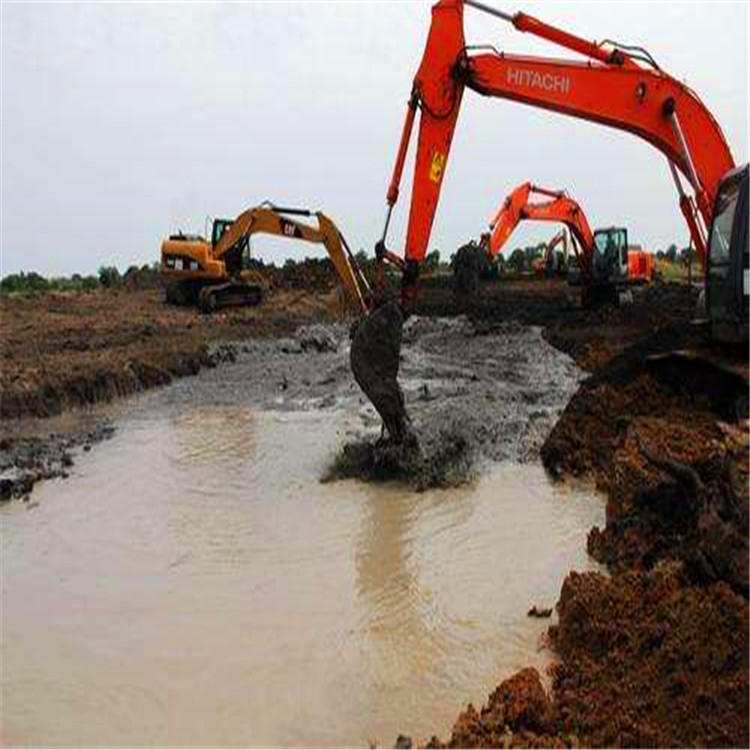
[
  {"x": 361, "y": 257},
  {"x": 24, "y": 283},
  {"x": 109, "y": 277},
  {"x": 517, "y": 260},
  {"x": 432, "y": 260}
]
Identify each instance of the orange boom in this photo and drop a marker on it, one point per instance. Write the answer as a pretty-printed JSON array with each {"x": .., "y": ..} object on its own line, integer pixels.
[
  {"x": 604, "y": 256},
  {"x": 619, "y": 86},
  {"x": 616, "y": 85}
]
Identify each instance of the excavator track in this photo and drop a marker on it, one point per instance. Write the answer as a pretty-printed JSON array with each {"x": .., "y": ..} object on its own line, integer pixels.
[{"x": 230, "y": 294}]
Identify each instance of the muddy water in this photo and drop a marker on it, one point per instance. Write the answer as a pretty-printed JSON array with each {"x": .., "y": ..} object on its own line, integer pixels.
[{"x": 192, "y": 582}]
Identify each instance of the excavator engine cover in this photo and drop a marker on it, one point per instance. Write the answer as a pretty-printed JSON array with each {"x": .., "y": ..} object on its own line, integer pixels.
[{"x": 375, "y": 358}]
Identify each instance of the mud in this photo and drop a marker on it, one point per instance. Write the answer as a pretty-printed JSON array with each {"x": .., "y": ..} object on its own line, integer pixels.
[
  {"x": 473, "y": 393},
  {"x": 656, "y": 654},
  {"x": 679, "y": 492},
  {"x": 25, "y": 460},
  {"x": 67, "y": 351}
]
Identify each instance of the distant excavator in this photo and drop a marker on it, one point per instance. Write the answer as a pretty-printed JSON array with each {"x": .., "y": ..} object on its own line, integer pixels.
[
  {"x": 617, "y": 85},
  {"x": 553, "y": 262},
  {"x": 212, "y": 275},
  {"x": 605, "y": 261}
]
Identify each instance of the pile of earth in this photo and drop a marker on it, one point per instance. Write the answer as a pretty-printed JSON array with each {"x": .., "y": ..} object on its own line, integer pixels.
[
  {"x": 637, "y": 670},
  {"x": 314, "y": 274},
  {"x": 645, "y": 379}
]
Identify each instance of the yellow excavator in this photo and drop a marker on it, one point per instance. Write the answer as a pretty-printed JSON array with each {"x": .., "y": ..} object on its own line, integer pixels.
[{"x": 211, "y": 274}]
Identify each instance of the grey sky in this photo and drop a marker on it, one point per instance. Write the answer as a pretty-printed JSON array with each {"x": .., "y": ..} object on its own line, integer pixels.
[{"x": 124, "y": 121}]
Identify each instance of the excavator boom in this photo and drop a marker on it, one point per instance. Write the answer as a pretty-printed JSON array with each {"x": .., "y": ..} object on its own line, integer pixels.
[
  {"x": 620, "y": 87},
  {"x": 613, "y": 87},
  {"x": 560, "y": 208},
  {"x": 217, "y": 268}
]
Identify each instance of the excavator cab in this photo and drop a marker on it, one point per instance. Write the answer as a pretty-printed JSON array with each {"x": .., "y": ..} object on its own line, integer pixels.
[
  {"x": 217, "y": 231},
  {"x": 233, "y": 258},
  {"x": 610, "y": 255},
  {"x": 727, "y": 274}
]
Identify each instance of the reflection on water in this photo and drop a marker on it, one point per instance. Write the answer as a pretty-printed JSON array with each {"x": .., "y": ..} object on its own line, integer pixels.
[{"x": 194, "y": 584}]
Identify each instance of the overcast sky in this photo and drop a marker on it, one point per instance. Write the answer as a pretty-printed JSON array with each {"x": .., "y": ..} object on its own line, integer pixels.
[{"x": 122, "y": 122}]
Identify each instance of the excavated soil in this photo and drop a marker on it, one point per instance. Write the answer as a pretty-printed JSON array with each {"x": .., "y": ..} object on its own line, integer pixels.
[
  {"x": 645, "y": 661},
  {"x": 657, "y": 653}
]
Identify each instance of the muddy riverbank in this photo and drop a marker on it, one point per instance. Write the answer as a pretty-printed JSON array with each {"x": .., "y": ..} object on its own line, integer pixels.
[
  {"x": 193, "y": 582},
  {"x": 657, "y": 653},
  {"x": 673, "y": 462},
  {"x": 62, "y": 351}
]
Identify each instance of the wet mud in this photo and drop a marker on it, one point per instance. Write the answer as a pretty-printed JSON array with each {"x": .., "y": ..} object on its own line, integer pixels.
[
  {"x": 65, "y": 351},
  {"x": 473, "y": 393},
  {"x": 654, "y": 654},
  {"x": 26, "y": 460},
  {"x": 657, "y": 653}
]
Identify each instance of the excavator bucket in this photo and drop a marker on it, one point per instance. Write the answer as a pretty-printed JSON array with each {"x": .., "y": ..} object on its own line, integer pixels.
[{"x": 375, "y": 357}]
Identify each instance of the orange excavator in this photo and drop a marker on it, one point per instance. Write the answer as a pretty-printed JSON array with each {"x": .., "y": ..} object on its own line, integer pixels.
[
  {"x": 616, "y": 85},
  {"x": 604, "y": 257},
  {"x": 553, "y": 261}
]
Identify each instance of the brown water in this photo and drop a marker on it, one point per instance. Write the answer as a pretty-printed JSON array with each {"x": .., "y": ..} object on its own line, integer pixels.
[{"x": 192, "y": 583}]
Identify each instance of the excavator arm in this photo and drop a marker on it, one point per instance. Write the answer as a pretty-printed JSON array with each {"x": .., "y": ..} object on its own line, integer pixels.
[
  {"x": 616, "y": 86},
  {"x": 561, "y": 208},
  {"x": 273, "y": 220}
]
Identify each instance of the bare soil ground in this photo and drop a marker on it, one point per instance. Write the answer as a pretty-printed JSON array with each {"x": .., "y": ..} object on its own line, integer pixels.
[
  {"x": 655, "y": 654},
  {"x": 64, "y": 351}
]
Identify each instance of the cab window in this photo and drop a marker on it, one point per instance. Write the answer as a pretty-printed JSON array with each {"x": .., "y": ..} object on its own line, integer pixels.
[{"x": 721, "y": 234}]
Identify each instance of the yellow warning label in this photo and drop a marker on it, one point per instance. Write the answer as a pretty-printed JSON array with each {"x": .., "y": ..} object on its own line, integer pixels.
[{"x": 437, "y": 166}]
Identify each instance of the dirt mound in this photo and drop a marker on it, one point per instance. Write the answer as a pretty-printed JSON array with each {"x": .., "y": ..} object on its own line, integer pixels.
[
  {"x": 518, "y": 714},
  {"x": 145, "y": 277},
  {"x": 311, "y": 274},
  {"x": 584, "y": 440},
  {"x": 651, "y": 662},
  {"x": 679, "y": 491},
  {"x": 636, "y": 382},
  {"x": 647, "y": 661}
]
